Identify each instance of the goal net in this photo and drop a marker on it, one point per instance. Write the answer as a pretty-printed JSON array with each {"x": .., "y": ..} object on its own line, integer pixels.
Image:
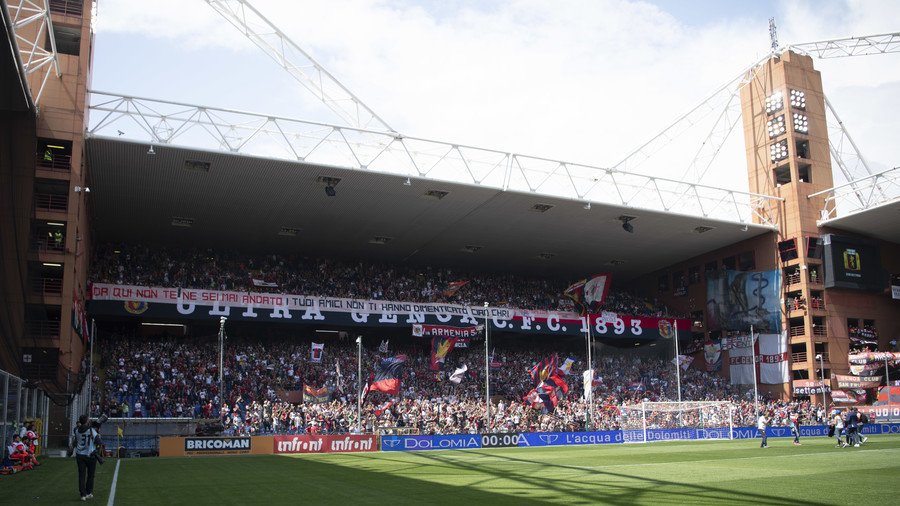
[{"x": 675, "y": 421}]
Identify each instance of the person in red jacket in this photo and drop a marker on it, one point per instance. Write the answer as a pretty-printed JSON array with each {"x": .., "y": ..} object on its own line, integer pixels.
[{"x": 18, "y": 453}]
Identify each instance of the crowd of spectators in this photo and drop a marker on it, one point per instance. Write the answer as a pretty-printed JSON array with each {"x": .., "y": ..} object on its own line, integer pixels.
[
  {"x": 263, "y": 380},
  {"x": 144, "y": 265}
]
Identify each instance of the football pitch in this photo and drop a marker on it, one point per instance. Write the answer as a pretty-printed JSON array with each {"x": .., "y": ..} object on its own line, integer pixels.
[{"x": 712, "y": 472}]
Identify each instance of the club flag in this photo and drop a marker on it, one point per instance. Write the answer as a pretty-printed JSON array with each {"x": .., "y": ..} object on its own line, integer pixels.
[
  {"x": 454, "y": 287},
  {"x": 459, "y": 374},
  {"x": 495, "y": 362},
  {"x": 313, "y": 395},
  {"x": 383, "y": 347},
  {"x": 387, "y": 375},
  {"x": 566, "y": 368},
  {"x": 683, "y": 361},
  {"x": 315, "y": 352},
  {"x": 587, "y": 378},
  {"x": 548, "y": 393},
  {"x": 575, "y": 292},
  {"x": 364, "y": 393},
  {"x": 774, "y": 356},
  {"x": 384, "y": 407},
  {"x": 712, "y": 353},
  {"x": 119, "y": 432},
  {"x": 264, "y": 284},
  {"x": 340, "y": 377},
  {"x": 589, "y": 294},
  {"x": 441, "y": 346},
  {"x": 544, "y": 369},
  {"x": 741, "y": 359}
]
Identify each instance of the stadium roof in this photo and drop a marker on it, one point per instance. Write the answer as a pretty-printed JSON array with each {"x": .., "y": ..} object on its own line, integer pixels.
[
  {"x": 209, "y": 198},
  {"x": 882, "y": 222}
]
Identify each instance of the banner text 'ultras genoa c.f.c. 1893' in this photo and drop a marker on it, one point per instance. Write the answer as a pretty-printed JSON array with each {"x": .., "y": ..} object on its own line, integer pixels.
[{"x": 174, "y": 303}]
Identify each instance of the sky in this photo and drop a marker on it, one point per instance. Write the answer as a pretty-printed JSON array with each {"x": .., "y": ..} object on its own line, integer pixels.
[{"x": 578, "y": 81}]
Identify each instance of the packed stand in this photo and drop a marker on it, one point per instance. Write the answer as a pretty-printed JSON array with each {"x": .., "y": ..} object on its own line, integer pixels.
[
  {"x": 264, "y": 380},
  {"x": 231, "y": 271}
]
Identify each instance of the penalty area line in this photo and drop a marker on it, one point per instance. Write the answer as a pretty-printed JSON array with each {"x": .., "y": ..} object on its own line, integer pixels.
[{"x": 112, "y": 490}]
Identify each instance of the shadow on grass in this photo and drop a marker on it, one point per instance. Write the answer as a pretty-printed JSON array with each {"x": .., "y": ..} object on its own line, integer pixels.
[
  {"x": 634, "y": 488},
  {"x": 285, "y": 480}
]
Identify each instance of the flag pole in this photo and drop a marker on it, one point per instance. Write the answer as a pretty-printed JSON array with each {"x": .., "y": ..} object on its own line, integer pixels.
[
  {"x": 359, "y": 424},
  {"x": 90, "y": 388},
  {"x": 590, "y": 385},
  {"x": 221, "y": 361},
  {"x": 755, "y": 391},
  {"x": 487, "y": 371},
  {"x": 677, "y": 359}
]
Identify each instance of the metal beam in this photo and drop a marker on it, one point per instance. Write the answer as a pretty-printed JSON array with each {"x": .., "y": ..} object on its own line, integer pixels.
[
  {"x": 32, "y": 25},
  {"x": 850, "y": 46},
  {"x": 299, "y": 64},
  {"x": 844, "y": 152},
  {"x": 208, "y": 128},
  {"x": 860, "y": 194}
]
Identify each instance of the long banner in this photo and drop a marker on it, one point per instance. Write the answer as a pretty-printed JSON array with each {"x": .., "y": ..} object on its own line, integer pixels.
[
  {"x": 173, "y": 303},
  {"x": 874, "y": 357},
  {"x": 810, "y": 387},
  {"x": 306, "y": 443},
  {"x": 522, "y": 439},
  {"x": 847, "y": 381}
]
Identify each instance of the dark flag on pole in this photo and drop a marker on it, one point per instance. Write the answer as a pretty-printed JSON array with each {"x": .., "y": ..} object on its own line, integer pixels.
[
  {"x": 387, "y": 375},
  {"x": 454, "y": 287},
  {"x": 589, "y": 294},
  {"x": 544, "y": 369},
  {"x": 548, "y": 393}
]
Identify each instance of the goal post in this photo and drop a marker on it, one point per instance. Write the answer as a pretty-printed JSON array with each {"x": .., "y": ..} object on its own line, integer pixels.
[{"x": 677, "y": 421}]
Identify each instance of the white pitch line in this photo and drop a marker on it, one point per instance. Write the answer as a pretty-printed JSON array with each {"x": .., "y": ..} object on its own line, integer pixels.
[{"x": 112, "y": 490}]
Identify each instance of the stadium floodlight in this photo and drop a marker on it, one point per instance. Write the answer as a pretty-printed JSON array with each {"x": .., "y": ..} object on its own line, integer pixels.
[
  {"x": 778, "y": 151},
  {"x": 776, "y": 127},
  {"x": 801, "y": 123},
  {"x": 150, "y": 151},
  {"x": 774, "y": 102},
  {"x": 798, "y": 99},
  {"x": 408, "y": 182}
]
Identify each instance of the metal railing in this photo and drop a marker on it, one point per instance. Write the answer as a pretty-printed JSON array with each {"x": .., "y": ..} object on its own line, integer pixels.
[
  {"x": 67, "y": 7},
  {"x": 820, "y": 331},
  {"x": 51, "y": 202},
  {"x": 56, "y": 163},
  {"x": 42, "y": 329},
  {"x": 792, "y": 279},
  {"x": 48, "y": 244},
  {"x": 797, "y": 331},
  {"x": 20, "y": 403},
  {"x": 799, "y": 357},
  {"x": 47, "y": 286}
]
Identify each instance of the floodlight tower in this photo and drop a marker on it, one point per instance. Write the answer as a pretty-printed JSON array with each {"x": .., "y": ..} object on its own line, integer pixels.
[
  {"x": 787, "y": 149},
  {"x": 789, "y": 155}
]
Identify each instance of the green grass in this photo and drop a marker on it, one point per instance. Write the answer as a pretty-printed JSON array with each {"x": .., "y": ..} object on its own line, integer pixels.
[{"x": 720, "y": 472}]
